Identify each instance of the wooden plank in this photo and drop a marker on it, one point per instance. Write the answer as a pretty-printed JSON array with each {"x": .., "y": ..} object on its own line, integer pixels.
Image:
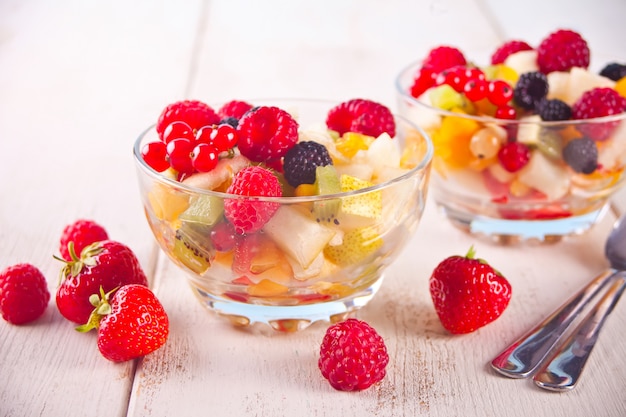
[
  {"x": 79, "y": 82},
  {"x": 341, "y": 51}
]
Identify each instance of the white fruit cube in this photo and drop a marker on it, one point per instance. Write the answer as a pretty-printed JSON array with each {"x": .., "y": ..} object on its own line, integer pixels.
[
  {"x": 522, "y": 61},
  {"x": 546, "y": 176},
  {"x": 297, "y": 234}
]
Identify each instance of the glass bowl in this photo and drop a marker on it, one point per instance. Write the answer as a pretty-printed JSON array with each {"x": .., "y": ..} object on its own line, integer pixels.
[
  {"x": 544, "y": 201},
  {"x": 297, "y": 269}
]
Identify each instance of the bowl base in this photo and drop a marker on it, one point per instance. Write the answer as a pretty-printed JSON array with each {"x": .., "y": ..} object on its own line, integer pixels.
[
  {"x": 286, "y": 318},
  {"x": 503, "y": 231}
]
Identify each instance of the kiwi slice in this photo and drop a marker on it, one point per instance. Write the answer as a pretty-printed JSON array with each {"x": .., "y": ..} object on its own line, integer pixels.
[
  {"x": 203, "y": 209},
  {"x": 327, "y": 182},
  {"x": 193, "y": 247}
]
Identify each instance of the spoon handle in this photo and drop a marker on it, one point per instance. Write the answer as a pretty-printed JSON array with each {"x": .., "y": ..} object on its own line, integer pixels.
[
  {"x": 523, "y": 356},
  {"x": 562, "y": 371}
]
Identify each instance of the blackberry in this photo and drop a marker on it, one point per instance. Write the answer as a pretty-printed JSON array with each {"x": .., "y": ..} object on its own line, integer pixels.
[
  {"x": 554, "y": 110},
  {"x": 581, "y": 155},
  {"x": 301, "y": 160},
  {"x": 531, "y": 88},
  {"x": 233, "y": 121},
  {"x": 614, "y": 71}
]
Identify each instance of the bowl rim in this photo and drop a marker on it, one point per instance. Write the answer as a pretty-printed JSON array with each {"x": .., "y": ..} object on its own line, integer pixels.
[
  {"x": 411, "y": 68},
  {"x": 424, "y": 164}
]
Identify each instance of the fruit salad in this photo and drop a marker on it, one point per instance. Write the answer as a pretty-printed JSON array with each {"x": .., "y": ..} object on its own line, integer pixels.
[
  {"x": 278, "y": 205},
  {"x": 534, "y": 134}
]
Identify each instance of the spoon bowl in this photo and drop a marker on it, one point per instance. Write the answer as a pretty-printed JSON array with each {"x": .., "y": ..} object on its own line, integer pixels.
[{"x": 523, "y": 357}]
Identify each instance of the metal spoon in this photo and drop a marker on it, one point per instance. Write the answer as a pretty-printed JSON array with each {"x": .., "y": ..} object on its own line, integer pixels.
[{"x": 523, "y": 356}]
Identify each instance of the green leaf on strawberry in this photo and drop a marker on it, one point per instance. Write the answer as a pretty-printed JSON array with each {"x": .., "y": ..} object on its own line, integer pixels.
[{"x": 468, "y": 293}]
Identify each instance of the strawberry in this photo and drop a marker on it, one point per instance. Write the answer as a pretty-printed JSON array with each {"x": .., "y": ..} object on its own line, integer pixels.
[
  {"x": 468, "y": 293},
  {"x": 108, "y": 264},
  {"x": 131, "y": 322}
]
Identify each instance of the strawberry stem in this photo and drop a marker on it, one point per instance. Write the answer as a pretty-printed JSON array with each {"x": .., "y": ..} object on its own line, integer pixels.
[
  {"x": 471, "y": 253},
  {"x": 102, "y": 308}
]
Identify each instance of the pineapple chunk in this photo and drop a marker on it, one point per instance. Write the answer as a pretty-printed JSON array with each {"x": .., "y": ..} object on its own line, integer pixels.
[{"x": 297, "y": 234}]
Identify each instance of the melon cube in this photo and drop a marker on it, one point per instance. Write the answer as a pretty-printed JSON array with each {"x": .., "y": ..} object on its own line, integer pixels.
[{"x": 297, "y": 234}]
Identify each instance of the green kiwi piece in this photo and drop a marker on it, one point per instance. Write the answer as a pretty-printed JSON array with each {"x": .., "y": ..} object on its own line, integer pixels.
[
  {"x": 193, "y": 247},
  {"x": 327, "y": 182},
  {"x": 550, "y": 144},
  {"x": 203, "y": 209}
]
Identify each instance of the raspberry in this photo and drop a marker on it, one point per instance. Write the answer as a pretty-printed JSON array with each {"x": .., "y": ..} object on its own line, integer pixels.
[
  {"x": 361, "y": 116},
  {"x": 353, "y": 356},
  {"x": 249, "y": 215},
  {"x": 598, "y": 102},
  {"x": 581, "y": 155},
  {"x": 193, "y": 112},
  {"x": 531, "y": 88},
  {"x": 614, "y": 71},
  {"x": 266, "y": 134},
  {"x": 443, "y": 57},
  {"x": 509, "y": 48},
  {"x": 514, "y": 156},
  {"x": 301, "y": 161},
  {"x": 234, "y": 109},
  {"x": 82, "y": 233},
  {"x": 24, "y": 293},
  {"x": 562, "y": 50},
  {"x": 554, "y": 110}
]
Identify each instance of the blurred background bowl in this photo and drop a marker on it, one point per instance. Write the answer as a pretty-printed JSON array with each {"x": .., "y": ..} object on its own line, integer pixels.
[{"x": 552, "y": 196}]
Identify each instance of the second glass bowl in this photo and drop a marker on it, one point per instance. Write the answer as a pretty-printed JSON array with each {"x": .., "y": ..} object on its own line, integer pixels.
[{"x": 546, "y": 200}]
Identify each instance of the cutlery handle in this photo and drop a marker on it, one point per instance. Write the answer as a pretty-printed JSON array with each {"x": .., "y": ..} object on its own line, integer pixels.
[
  {"x": 523, "y": 356},
  {"x": 562, "y": 371}
]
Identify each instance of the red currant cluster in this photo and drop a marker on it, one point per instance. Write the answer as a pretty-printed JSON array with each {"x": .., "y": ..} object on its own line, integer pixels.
[
  {"x": 471, "y": 82},
  {"x": 186, "y": 150}
]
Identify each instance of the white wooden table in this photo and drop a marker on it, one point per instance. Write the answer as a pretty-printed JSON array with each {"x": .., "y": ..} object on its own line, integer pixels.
[{"x": 80, "y": 79}]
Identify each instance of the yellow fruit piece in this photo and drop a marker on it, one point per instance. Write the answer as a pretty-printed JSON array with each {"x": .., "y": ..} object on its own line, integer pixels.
[
  {"x": 267, "y": 288},
  {"x": 620, "y": 86},
  {"x": 167, "y": 203},
  {"x": 414, "y": 150},
  {"x": 350, "y": 143},
  {"x": 368, "y": 205},
  {"x": 357, "y": 245},
  {"x": 334, "y": 289},
  {"x": 501, "y": 72},
  {"x": 452, "y": 141},
  {"x": 304, "y": 190}
]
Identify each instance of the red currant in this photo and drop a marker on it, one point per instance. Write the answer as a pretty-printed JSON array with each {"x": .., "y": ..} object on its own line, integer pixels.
[
  {"x": 424, "y": 79},
  {"x": 176, "y": 130},
  {"x": 454, "y": 77},
  {"x": 499, "y": 92},
  {"x": 223, "y": 236},
  {"x": 514, "y": 156},
  {"x": 224, "y": 137},
  {"x": 204, "y": 157},
  {"x": 179, "y": 154},
  {"x": 155, "y": 155},
  {"x": 475, "y": 89},
  {"x": 506, "y": 112},
  {"x": 204, "y": 134},
  {"x": 473, "y": 73}
]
